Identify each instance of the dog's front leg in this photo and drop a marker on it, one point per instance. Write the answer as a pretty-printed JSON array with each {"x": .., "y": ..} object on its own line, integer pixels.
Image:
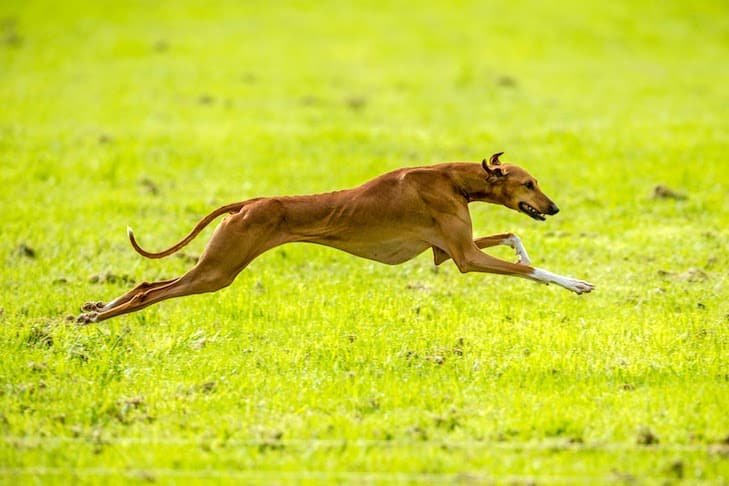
[
  {"x": 508, "y": 239},
  {"x": 575, "y": 285},
  {"x": 471, "y": 259}
]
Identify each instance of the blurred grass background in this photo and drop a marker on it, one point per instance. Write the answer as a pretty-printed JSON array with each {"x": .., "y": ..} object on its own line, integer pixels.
[{"x": 116, "y": 113}]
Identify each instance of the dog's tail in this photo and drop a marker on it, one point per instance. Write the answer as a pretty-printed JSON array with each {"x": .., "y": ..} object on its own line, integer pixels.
[{"x": 230, "y": 208}]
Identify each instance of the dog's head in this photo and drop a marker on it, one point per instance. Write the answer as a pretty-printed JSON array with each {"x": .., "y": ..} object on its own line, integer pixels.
[{"x": 516, "y": 189}]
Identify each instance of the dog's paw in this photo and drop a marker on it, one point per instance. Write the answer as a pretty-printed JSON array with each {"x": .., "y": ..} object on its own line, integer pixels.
[
  {"x": 575, "y": 285},
  {"x": 92, "y": 306},
  {"x": 514, "y": 242},
  {"x": 87, "y": 318},
  {"x": 579, "y": 286}
]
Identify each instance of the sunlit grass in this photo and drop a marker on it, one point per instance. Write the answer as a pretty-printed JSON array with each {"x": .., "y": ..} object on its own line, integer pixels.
[{"x": 319, "y": 366}]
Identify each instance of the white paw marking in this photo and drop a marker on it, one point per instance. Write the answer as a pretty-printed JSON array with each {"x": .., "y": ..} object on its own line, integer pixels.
[
  {"x": 515, "y": 242},
  {"x": 575, "y": 285}
]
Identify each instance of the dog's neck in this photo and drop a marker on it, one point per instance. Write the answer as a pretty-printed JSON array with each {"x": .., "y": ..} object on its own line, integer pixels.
[{"x": 473, "y": 183}]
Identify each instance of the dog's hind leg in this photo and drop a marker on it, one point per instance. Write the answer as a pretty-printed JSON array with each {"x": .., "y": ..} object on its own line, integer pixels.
[
  {"x": 100, "y": 306},
  {"x": 210, "y": 274},
  {"x": 196, "y": 281},
  {"x": 234, "y": 244}
]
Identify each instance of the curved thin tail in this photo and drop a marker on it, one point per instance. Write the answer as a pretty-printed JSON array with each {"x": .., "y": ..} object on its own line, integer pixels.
[{"x": 230, "y": 208}]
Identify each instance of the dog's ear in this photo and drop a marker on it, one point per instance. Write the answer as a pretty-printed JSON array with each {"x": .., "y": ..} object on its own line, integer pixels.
[{"x": 493, "y": 171}]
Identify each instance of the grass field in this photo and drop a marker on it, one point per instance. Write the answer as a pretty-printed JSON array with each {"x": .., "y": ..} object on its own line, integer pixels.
[{"x": 316, "y": 366}]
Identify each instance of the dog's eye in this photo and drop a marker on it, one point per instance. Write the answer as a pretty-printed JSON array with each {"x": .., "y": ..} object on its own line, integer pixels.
[{"x": 529, "y": 185}]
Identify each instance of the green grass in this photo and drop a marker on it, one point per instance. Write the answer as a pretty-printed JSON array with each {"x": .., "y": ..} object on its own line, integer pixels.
[{"x": 316, "y": 366}]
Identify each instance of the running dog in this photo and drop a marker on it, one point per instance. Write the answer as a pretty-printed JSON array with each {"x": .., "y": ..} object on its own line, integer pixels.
[{"x": 390, "y": 219}]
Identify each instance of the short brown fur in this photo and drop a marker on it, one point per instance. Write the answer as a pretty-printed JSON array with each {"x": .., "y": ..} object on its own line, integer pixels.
[{"x": 390, "y": 219}]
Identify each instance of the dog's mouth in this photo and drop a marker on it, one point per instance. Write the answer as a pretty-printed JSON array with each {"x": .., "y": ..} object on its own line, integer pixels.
[{"x": 531, "y": 211}]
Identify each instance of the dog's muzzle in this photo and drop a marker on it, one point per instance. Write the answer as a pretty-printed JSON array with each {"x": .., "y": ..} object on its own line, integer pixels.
[{"x": 534, "y": 213}]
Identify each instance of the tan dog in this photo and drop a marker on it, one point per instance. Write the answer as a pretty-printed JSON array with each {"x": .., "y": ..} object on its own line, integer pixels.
[{"x": 390, "y": 219}]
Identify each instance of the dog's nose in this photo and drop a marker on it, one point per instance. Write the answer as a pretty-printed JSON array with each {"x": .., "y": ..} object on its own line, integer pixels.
[{"x": 553, "y": 209}]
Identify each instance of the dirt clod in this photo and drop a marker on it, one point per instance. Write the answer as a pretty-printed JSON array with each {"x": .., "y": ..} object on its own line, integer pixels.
[
  {"x": 205, "y": 99},
  {"x": 132, "y": 402},
  {"x": 437, "y": 359},
  {"x": 110, "y": 278},
  {"x": 310, "y": 100},
  {"x": 665, "y": 192},
  {"x": 9, "y": 32},
  {"x": 646, "y": 437},
  {"x": 198, "y": 343},
  {"x": 417, "y": 286},
  {"x": 187, "y": 257},
  {"x": 25, "y": 250},
  {"x": 692, "y": 275},
  {"x": 149, "y": 186},
  {"x": 356, "y": 103},
  {"x": 417, "y": 433},
  {"x": 37, "y": 367},
  {"x": 676, "y": 468},
  {"x": 39, "y": 336},
  {"x": 506, "y": 81}
]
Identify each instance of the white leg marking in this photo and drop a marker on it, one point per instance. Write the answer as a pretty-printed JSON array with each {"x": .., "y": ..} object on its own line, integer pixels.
[
  {"x": 573, "y": 284},
  {"x": 515, "y": 242},
  {"x": 111, "y": 304}
]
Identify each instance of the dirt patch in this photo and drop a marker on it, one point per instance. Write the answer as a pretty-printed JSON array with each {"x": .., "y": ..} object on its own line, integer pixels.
[
  {"x": 417, "y": 286},
  {"x": 110, "y": 278},
  {"x": 310, "y": 100},
  {"x": 665, "y": 192},
  {"x": 24, "y": 250},
  {"x": 199, "y": 343},
  {"x": 205, "y": 99},
  {"x": 187, "y": 257},
  {"x": 356, "y": 103},
  {"x": 676, "y": 468},
  {"x": 646, "y": 437},
  {"x": 130, "y": 410},
  {"x": 9, "y": 34},
  {"x": 506, "y": 81},
  {"x": 149, "y": 186},
  {"x": 692, "y": 275},
  {"x": 39, "y": 336},
  {"x": 37, "y": 367},
  {"x": 438, "y": 359}
]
